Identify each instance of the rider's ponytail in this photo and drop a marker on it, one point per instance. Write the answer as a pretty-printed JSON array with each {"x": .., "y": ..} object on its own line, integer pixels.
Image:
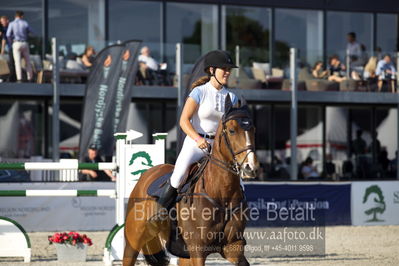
[{"x": 200, "y": 81}]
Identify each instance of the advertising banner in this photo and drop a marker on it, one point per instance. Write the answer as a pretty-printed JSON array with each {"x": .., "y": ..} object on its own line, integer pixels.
[
  {"x": 108, "y": 92},
  {"x": 42, "y": 214},
  {"x": 375, "y": 203},
  {"x": 300, "y": 204},
  {"x": 140, "y": 159}
]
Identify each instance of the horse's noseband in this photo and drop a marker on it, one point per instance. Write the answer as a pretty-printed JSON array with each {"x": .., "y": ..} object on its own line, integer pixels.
[{"x": 245, "y": 122}]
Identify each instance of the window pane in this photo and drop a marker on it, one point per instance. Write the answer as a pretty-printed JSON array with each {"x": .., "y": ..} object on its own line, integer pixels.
[
  {"x": 280, "y": 167},
  {"x": 339, "y": 24},
  {"x": 25, "y": 121},
  {"x": 76, "y": 24},
  {"x": 262, "y": 119},
  {"x": 195, "y": 26},
  {"x": 337, "y": 141},
  {"x": 361, "y": 141},
  {"x": 247, "y": 27},
  {"x": 302, "y": 29},
  {"x": 32, "y": 14},
  {"x": 310, "y": 141},
  {"x": 387, "y": 32},
  {"x": 135, "y": 20},
  {"x": 387, "y": 144},
  {"x": 70, "y": 124}
]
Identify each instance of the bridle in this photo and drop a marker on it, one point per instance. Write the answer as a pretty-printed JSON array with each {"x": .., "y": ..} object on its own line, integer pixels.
[{"x": 235, "y": 166}]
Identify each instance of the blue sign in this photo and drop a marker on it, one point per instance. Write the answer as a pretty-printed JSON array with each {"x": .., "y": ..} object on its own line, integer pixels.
[{"x": 298, "y": 204}]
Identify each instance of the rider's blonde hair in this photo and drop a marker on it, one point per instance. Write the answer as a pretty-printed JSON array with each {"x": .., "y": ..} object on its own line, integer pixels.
[{"x": 200, "y": 81}]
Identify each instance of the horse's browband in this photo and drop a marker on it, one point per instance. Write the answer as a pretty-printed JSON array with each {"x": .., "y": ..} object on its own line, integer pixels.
[{"x": 235, "y": 116}]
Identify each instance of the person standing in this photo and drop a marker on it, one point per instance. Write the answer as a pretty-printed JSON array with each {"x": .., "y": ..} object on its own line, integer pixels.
[
  {"x": 359, "y": 148},
  {"x": 18, "y": 32},
  {"x": 353, "y": 48},
  {"x": 5, "y": 42}
]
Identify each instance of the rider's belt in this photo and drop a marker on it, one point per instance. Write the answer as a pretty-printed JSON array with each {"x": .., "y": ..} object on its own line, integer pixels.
[{"x": 207, "y": 136}]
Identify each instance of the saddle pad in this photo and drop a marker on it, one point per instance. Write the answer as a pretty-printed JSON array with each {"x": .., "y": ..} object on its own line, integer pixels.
[{"x": 155, "y": 189}]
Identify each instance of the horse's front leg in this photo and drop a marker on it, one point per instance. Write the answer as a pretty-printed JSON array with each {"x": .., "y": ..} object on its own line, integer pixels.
[
  {"x": 197, "y": 261},
  {"x": 192, "y": 262},
  {"x": 234, "y": 253}
]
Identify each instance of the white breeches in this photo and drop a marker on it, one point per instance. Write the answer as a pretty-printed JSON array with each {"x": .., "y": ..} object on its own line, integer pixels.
[{"x": 188, "y": 155}]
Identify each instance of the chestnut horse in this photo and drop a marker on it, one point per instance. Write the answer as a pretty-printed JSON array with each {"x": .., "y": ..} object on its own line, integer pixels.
[{"x": 212, "y": 218}]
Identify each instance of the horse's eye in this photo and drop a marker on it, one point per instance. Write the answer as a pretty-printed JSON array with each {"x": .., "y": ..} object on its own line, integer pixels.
[{"x": 231, "y": 131}]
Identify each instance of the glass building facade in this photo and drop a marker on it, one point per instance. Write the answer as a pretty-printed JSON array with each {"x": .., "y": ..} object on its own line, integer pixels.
[
  {"x": 264, "y": 33},
  {"x": 256, "y": 33}
]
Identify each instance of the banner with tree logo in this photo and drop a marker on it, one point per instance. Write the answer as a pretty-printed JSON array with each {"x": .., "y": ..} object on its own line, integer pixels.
[{"x": 375, "y": 203}]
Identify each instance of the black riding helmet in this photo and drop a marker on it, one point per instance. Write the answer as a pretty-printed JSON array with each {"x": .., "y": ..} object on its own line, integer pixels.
[{"x": 218, "y": 59}]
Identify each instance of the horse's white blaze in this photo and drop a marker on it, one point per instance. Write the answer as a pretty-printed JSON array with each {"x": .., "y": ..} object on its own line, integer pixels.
[{"x": 251, "y": 155}]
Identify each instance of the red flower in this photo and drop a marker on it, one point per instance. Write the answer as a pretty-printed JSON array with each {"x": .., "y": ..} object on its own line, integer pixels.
[{"x": 71, "y": 238}]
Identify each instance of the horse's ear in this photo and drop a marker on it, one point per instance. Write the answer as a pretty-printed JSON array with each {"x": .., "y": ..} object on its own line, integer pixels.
[{"x": 228, "y": 104}]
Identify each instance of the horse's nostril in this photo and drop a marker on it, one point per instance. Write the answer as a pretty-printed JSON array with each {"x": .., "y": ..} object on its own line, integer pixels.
[{"x": 247, "y": 167}]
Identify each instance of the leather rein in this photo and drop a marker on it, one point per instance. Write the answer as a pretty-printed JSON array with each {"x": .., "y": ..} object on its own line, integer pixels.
[{"x": 235, "y": 166}]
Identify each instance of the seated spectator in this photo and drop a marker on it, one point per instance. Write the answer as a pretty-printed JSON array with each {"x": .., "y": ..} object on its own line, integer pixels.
[
  {"x": 72, "y": 63},
  {"x": 95, "y": 175},
  {"x": 336, "y": 69},
  {"x": 309, "y": 171},
  {"x": 369, "y": 74},
  {"x": 318, "y": 72},
  {"x": 347, "y": 169},
  {"x": 330, "y": 171},
  {"x": 146, "y": 59},
  {"x": 279, "y": 169},
  {"x": 88, "y": 57},
  {"x": 150, "y": 71},
  {"x": 370, "y": 68},
  {"x": 385, "y": 70}
]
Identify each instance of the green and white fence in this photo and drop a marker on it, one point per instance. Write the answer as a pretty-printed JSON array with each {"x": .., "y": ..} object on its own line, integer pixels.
[
  {"x": 63, "y": 165},
  {"x": 66, "y": 170},
  {"x": 130, "y": 162},
  {"x": 58, "y": 193}
]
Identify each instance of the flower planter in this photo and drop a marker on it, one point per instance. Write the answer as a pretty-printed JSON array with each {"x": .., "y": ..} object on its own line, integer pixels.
[{"x": 70, "y": 253}]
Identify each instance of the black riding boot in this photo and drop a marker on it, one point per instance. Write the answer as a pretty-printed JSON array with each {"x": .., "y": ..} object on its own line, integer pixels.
[
  {"x": 168, "y": 196},
  {"x": 166, "y": 200}
]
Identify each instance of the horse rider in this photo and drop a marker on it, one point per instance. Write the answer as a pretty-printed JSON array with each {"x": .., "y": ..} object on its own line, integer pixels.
[{"x": 200, "y": 118}]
